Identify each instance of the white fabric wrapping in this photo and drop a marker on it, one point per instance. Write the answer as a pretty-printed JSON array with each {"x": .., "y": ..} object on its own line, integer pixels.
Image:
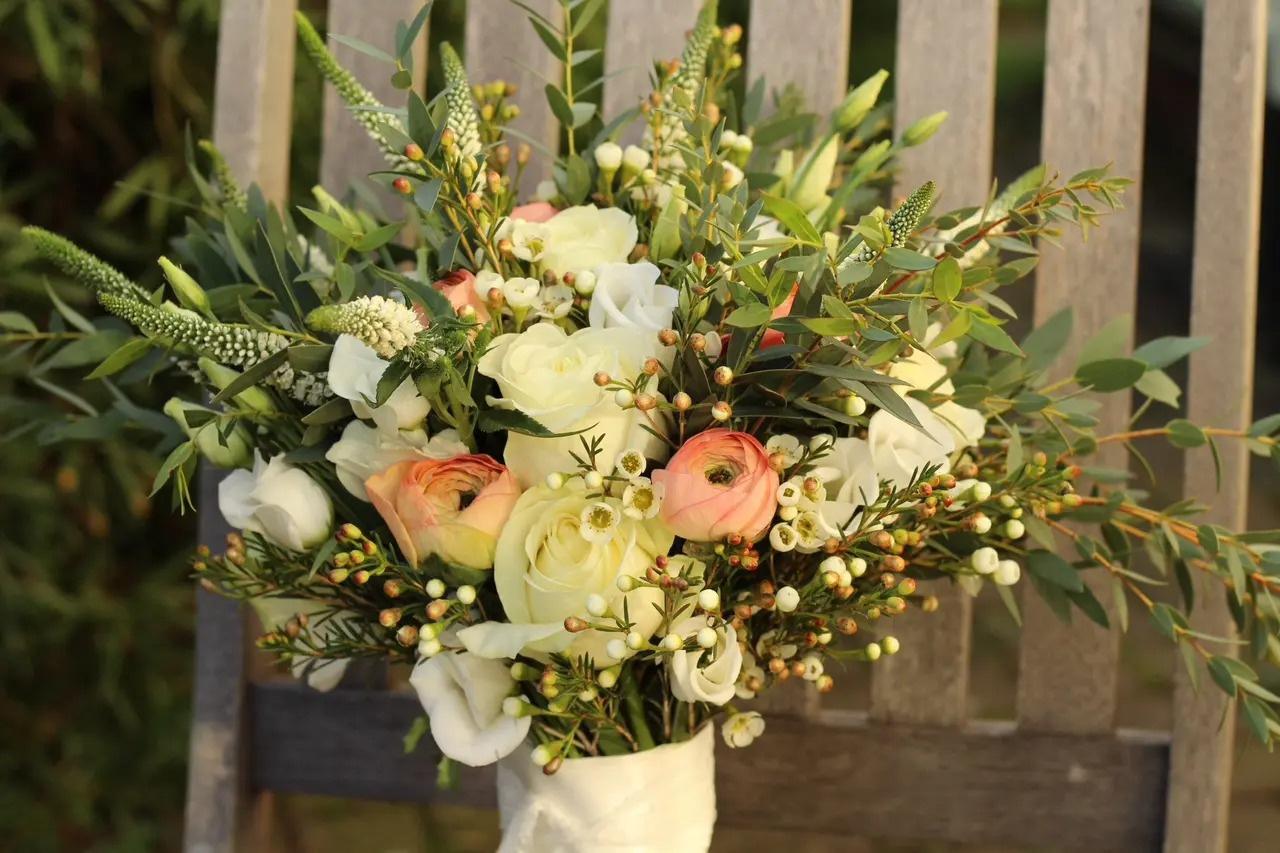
[{"x": 662, "y": 800}]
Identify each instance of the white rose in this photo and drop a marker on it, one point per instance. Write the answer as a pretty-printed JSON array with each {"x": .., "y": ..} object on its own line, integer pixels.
[
  {"x": 278, "y": 501},
  {"x": 923, "y": 371},
  {"x": 705, "y": 675},
  {"x": 547, "y": 374},
  {"x": 899, "y": 450},
  {"x": 363, "y": 451},
  {"x": 354, "y": 373},
  {"x": 548, "y": 563},
  {"x": 628, "y": 295},
  {"x": 462, "y": 695},
  {"x": 849, "y": 477},
  {"x": 321, "y": 674},
  {"x": 584, "y": 237}
]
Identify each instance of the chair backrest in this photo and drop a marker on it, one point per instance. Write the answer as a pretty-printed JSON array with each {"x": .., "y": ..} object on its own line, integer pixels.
[{"x": 916, "y": 766}]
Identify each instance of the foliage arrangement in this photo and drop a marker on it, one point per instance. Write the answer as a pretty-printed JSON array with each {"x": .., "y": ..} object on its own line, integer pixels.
[{"x": 607, "y": 464}]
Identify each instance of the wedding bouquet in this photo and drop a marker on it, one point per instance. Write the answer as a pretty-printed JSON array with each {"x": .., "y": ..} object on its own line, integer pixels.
[{"x": 605, "y": 464}]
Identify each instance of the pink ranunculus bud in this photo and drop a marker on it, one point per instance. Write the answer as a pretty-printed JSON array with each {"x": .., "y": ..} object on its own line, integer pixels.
[
  {"x": 534, "y": 211},
  {"x": 453, "y": 508},
  {"x": 459, "y": 287},
  {"x": 718, "y": 484}
]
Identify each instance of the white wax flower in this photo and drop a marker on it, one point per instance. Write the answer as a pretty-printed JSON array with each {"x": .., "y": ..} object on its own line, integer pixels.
[
  {"x": 705, "y": 674},
  {"x": 627, "y": 295},
  {"x": 584, "y": 237},
  {"x": 278, "y": 501},
  {"x": 354, "y": 373},
  {"x": 742, "y": 729},
  {"x": 528, "y": 239},
  {"x": 463, "y": 695},
  {"x": 521, "y": 293}
]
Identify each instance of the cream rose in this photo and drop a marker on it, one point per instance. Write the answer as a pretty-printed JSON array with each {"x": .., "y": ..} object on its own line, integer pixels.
[
  {"x": 705, "y": 675},
  {"x": 849, "y": 479},
  {"x": 547, "y": 373},
  {"x": 922, "y": 370},
  {"x": 584, "y": 237},
  {"x": 628, "y": 295},
  {"x": 899, "y": 450},
  {"x": 558, "y": 548}
]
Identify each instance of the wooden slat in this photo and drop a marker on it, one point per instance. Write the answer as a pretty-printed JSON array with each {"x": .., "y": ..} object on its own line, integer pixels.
[
  {"x": 501, "y": 44},
  {"x": 1224, "y": 308},
  {"x": 253, "y": 94},
  {"x": 347, "y": 154},
  {"x": 946, "y": 60},
  {"x": 215, "y": 771},
  {"x": 801, "y": 42},
  {"x": 639, "y": 34},
  {"x": 1095, "y": 86},
  {"x": 987, "y": 783}
]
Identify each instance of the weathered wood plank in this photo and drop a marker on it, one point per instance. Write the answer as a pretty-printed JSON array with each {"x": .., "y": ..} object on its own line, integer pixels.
[
  {"x": 1224, "y": 308},
  {"x": 253, "y": 91},
  {"x": 501, "y": 44},
  {"x": 987, "y": 783},
  {"x": 1095, "y": 86},
  {"x": 946, "y": 60},
  {"x": 347, "y": 154},
  {"x": 215, "y": 773},
  {"x": 801, "y": 42},
  {"x": 639, "y": 34}
]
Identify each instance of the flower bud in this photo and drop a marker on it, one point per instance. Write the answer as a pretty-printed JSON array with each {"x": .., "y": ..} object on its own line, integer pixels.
[
  {"x": 709, "y": 600},
  {"x": 436, "y": 588},
  {"x": 402, "y": 186},
  {"x": 1014, "y": 529},
  {"x": 787, "y": 599},
  {"x": 597, "y": 605},
  {"x": 890, "y": 645},
  {"x": 1007, "y": 573},
  {"x": 855, "y": 106},
  {"x": 984, "y": 560},
  {"x": 873, "y": 651},
  {"x": 467, "y": 594},
  {"x": 608, "y": 157},
  {"x": 706, "y": 637},
  {"x": 923, "y": 128}
]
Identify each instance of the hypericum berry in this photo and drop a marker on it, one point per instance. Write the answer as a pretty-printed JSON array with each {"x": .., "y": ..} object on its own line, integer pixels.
[{"x": 414, "y": 151}]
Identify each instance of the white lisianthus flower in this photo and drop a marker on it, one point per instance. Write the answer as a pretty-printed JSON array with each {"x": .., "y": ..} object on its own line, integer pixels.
[
  {"x": 363, "y": 451},
  {"x": 627, "y": 295},
  {"x": 278, "y": 501},
  {"x": 705, "y": 674},
  {"x": 323, "y": 622},
  {"x": 545, "y": 570},
  {"x": 634, "y": 159},
  {"x": 584, "y": 237},
  {"x": 547, "y": 373},
  {"x": 922, "y": 370},
  {"x": 742, "y": 729},
  {"x": 898, "y": 450},
  {"x": 462, "y": 694},
  {"x": 354, "y": 373},
  {"x": 849, "y": 478}
]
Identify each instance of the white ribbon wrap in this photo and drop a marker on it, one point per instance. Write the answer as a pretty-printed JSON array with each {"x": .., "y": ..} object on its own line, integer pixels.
[{"x": 661, "y": 800}]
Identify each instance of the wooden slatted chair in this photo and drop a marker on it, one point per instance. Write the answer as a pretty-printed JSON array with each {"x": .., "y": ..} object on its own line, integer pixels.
[{"x": 1060, "y": 773}]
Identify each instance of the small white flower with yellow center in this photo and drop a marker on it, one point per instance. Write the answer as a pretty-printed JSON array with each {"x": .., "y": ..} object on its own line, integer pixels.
[
  {"x": 751, "y": 679},
  {"x": 598, "y": 522},
  {"x": 631, "y": 463},
  {"x": 642, "y": 499},
  {"x": 521, "y": 293},
  {"x": 813, "y": 668},
  {"x": 528, "y": 239},
  {"x": 783, "y": 537},
  {"x": 790, "y": 492},
  {"x": 811, "y": 532},
  {"x": 787, "y": 447},
  {"x": 742, "y": 729},
  {"x": 555, "y": 302}
]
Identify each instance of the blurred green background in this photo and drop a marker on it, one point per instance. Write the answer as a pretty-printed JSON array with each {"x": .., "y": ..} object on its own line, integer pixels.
[{"x": 95, "y": 608}]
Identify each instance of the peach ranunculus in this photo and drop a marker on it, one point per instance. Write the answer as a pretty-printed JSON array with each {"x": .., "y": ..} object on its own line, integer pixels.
[
  {"x": 772, "y": 337},
  {"x": 459, "y": 287},
  {"x": 719, "y": 484},
  {"x": 453, "y": 508}
]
